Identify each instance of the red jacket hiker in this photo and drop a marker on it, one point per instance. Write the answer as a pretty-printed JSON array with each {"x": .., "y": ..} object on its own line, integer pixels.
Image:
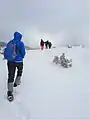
[{"x": 42, "y": 44}]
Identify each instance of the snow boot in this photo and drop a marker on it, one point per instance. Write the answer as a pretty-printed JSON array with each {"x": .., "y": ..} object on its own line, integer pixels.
[
  {"x": 17, "y": 81},
  {"x": 10, "y": 91},
  {"x": 10, "y": 96}
]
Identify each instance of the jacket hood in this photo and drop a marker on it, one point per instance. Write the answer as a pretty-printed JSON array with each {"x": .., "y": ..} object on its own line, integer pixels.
[{"x": 17, "y": 36}]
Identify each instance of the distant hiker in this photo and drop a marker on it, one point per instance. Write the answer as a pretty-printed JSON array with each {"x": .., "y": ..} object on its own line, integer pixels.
[
  {"x": 42, "y": 44},
  {"x": 46, "y": 44},
  {"x": 14, "y": 53},
  {"x": 50, "y": 45}
]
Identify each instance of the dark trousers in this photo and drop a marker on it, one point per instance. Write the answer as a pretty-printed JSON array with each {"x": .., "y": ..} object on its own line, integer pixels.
[{"x": 12, "y": 69}]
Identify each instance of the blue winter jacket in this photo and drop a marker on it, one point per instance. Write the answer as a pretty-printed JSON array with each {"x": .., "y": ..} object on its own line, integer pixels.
[{"x": 20, "y": 48}]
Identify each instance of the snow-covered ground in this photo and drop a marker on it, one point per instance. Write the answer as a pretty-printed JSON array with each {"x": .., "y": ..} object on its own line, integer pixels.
[{"x": 47, "y": 91}]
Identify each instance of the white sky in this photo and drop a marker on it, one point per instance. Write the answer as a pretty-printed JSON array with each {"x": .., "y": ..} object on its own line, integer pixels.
[{"x": 57, "y": 20}]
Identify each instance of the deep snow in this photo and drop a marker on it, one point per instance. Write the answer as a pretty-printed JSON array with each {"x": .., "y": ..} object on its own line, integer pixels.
[{"x": 48, "y": 91}]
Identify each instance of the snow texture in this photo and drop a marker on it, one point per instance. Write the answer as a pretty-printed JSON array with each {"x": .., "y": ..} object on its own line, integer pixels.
[{"x": 48, "y": 91}]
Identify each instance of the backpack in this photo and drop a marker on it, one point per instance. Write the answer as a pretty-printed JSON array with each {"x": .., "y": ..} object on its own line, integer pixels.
[{"x": 10, "y": 51}]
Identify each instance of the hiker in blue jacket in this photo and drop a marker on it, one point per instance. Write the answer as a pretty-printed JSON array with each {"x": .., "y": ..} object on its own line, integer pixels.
[{"x": 15, "y": 61}]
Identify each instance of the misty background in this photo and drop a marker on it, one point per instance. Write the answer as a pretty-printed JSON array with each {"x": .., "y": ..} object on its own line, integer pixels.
[{"x": 60, "y": 21}]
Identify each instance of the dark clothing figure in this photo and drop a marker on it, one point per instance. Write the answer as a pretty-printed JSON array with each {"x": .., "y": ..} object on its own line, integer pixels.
[
  {"x": 46, "y": 44},
  {"x": 50, "y": 45}
]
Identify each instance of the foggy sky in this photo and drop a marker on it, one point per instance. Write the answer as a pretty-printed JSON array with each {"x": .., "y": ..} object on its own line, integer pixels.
[{"x": 61, "y": 21}]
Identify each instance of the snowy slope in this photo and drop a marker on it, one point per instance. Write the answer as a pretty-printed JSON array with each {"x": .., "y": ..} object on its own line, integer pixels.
[{"x": 49, "y": 92}]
